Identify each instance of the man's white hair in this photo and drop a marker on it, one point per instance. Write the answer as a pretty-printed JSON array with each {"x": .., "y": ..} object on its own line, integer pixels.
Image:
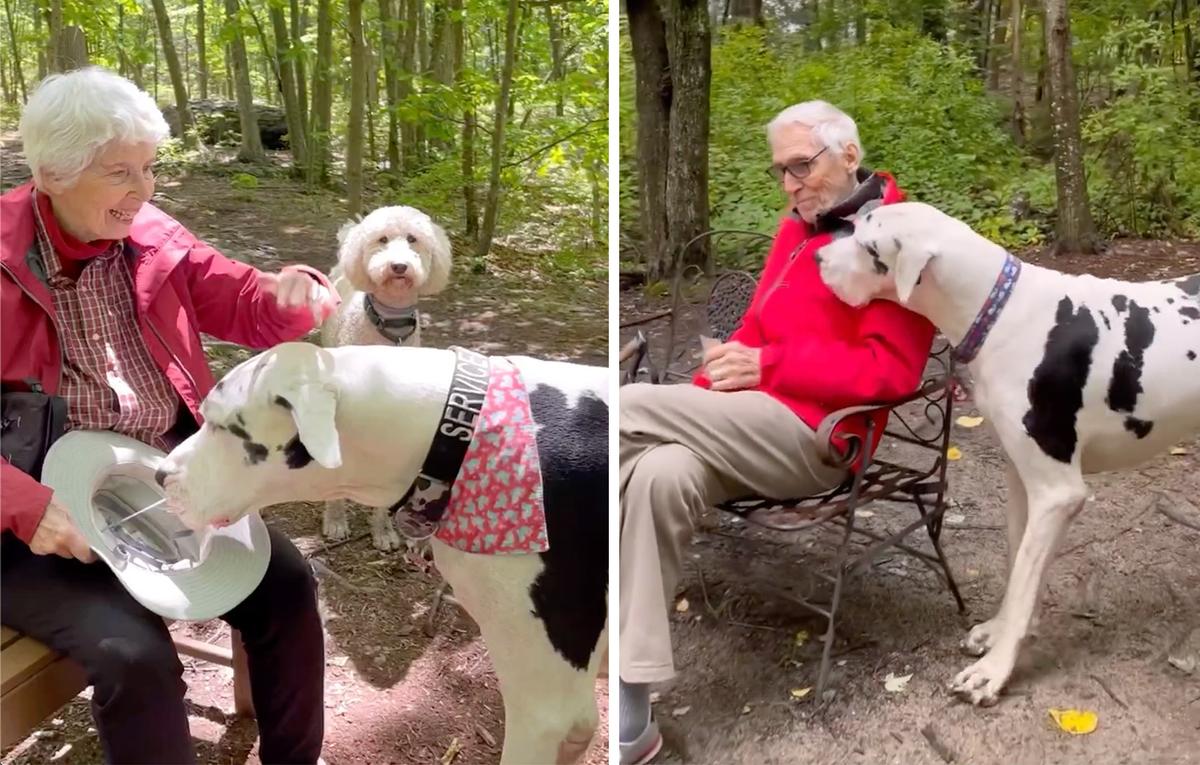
[
  {"x": 832, "y": 126},
  {"x": 71, "y": 117}
]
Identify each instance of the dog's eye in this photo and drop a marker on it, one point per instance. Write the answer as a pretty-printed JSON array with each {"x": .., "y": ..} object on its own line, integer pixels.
[
  {"x": 412, "y": 239},
  {"x": 383, "y": 240}
]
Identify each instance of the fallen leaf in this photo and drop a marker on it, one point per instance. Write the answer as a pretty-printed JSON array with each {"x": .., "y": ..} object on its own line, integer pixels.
[
  {"x": 969, "y": 422},
  {"x": 799, "y": 693},
  {"x": 682, "y": 606},
  {"x": 1186, "y": 665},
  {"x": 680, "y": 711},
  {"x": 896, "y": 684},
  {"x": 1178, "y": 451},
  {"x": 864, "y": 513},
  {"x": 746, "y": 709},
  {"x": 1075, "y": 721},
  {"x": 953, "y": 453},
  {"x": 61, "y": 752},
  {"x": 842, "y": 662},
  {"x": 801, "y": 638},
  {"x": 655, "y": 697},
  {"x": 451, "y": 751},
  {"x": 339, "y": 661},
  {"x": 955, "y": 517}
]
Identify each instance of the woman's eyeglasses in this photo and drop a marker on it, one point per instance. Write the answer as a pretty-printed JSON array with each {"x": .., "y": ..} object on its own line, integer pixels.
[{"x": 797, "y": 168}]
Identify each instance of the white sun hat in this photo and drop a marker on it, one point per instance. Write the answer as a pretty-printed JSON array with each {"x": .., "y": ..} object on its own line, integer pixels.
[{"x": 103, "y": 478}]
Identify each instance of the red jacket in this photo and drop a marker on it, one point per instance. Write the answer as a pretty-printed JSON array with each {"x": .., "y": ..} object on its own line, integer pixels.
[
  {"x": 818, "y": 353},
  {"x": 182, "y": 287}
]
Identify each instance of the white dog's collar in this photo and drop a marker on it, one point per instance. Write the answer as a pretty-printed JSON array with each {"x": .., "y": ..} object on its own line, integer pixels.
[
  {"x": 418, "y": 512},
  {"x": 968, "y": 349},
  {"x": 399, "y": 323}
]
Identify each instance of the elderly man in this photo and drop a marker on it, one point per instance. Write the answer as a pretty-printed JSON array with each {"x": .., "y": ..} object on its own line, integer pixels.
[
  {"x": 747, "y": 425},
  {"x": 102, "y": 301}
]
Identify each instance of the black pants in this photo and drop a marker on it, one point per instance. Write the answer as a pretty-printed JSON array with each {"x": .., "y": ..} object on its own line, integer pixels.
[{"x": 81, "y": 610}]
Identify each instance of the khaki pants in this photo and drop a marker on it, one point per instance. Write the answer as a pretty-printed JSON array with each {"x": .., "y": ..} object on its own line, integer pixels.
[{"x": 683, "y": 450}]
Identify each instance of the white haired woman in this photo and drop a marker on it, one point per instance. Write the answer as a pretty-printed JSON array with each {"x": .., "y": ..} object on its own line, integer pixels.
[
  {"x": 102, "y": 301},
  {"x": 747, "y": 425}
]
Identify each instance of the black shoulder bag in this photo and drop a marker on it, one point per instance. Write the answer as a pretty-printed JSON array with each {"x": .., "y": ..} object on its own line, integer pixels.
[{"x": 30, "y": 421}]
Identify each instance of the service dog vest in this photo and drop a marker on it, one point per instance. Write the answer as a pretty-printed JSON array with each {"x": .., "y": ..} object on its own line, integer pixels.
[{"x": 492, "y": 503}]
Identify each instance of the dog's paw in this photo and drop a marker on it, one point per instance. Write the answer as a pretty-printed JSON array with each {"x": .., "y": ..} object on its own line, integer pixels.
[
  {"x": 384, "y": 534},
  {"x": 981, "y": 638},
  {"x": 335, "y": 524},
  {"x": 981, "y": 683}
]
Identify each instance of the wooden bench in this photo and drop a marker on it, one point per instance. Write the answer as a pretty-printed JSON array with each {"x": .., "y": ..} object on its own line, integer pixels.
[
  {"x": 37, "y": 682},
  {"x": 922, "y": 420}
]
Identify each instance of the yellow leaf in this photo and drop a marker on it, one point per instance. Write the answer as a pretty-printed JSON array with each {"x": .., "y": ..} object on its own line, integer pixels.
[
  {"x": 801, "y": 638},
  {"x": 799, "y": 693},
  {"x": 1178, "y": 451},
  {"x": 682, "y": 605},
  {"x": 954, "y": 453},
  {"x": 1075, "y": 721},
  {"x": 969, "y": 422}
]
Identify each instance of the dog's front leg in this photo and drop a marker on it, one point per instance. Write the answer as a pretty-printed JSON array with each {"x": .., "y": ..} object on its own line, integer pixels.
[
  {"x": 335, "y": 523},
  {"x": 982, "y": 636},
  {"x": 1052, "y": 505},
  {"x": 383, "y": 531}
]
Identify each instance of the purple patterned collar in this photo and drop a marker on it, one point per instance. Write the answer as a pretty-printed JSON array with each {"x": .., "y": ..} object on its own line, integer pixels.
[{"x": 966, "y": 351}]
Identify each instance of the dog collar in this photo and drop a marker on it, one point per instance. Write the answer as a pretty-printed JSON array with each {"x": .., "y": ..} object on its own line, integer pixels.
[
  {"x": 966, "y": 351},
  {"x": 418, "y": 512},
  {"x": 398, "y": 325}
]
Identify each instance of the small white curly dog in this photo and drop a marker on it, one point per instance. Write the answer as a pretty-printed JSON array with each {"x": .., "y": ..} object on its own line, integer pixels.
[{"x": 386, "y": 263}]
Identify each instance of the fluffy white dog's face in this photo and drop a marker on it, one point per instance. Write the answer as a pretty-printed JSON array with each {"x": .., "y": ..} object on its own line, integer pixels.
[
  {"x": 269, "y": 418},
  {"x": 883, "y": 258},
  {"x": 396, "y": 254}
]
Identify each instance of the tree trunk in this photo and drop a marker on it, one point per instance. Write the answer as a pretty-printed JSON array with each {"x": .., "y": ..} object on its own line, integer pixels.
[
  {"x": 41, "y": 13},
  {"x": 860, "y": 23},
  {"x": 180, "y": 87},
  {"x": 287, "y": 75},
  {"x": 387, "y": 54},
  {"x": 322, "y": 108},
  {"x": 653, "y": 86},
  {"x": 252, "y": 148},
  {"x": 742, "y": 11},
  {"x": 202, "y": 49},
  {"x": 1016, "y": 29},
  {"x": 491, "y": 209},
  {"x": 18, "y": 74},
  {"x": 933, "y": 19},
  {"x": 72, "y": 49},
  {"x": 228, "y": 71},
  {"x": 688, "y": 49},
  {"x": 423, "y": 68},
  {"x": 996, "y": 46},
  {"x": 404, "y": 85},
  {"x": 299, "y": 57},
  {"x": 54, "y": 26},
  {"x": 470, "y": 206},
  {"x": 1075, "y": 231},
  {"x": 9, "y": 96},
  {"x": 1191, "y": 55},
  {"x": 358, "y": 97},
  {"x": 369, "y": 158},
  {"x": 554, "y": 23}
]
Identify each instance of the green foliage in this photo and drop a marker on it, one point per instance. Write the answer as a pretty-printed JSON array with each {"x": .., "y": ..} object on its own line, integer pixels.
[{"x": 244, "y": 181}]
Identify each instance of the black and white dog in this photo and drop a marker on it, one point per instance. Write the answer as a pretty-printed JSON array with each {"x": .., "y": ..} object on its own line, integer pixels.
[
  {"x": 1075, "y": 375},
  {"x": 302, "y": 423}
]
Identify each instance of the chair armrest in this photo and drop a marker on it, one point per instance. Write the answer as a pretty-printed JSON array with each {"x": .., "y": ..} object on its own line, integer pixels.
[{"x": 828, "y": 451}]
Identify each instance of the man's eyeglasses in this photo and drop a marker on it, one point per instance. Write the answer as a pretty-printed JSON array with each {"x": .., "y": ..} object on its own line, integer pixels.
[{"x": 797, "y": 168}]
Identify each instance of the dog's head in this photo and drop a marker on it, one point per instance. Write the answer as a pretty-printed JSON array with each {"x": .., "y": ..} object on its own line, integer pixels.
[
  {"x": 396, "y": 254},
  {"x": 269, "y": 418},
  {"x": 884, "y": 257}
]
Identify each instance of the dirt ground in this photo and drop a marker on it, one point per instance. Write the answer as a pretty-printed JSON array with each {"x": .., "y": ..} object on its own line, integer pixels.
[
  {"x": 406, "y": 682},
  {"x": 1120, "y": 629}
]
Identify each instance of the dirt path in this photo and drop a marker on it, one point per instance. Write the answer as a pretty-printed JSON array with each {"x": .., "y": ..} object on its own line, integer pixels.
[
  {"x": 1121, "y": 606},
  {"x": 401, "y": 687}
]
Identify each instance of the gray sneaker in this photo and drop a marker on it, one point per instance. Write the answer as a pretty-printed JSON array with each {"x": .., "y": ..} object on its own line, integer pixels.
[{"x": 639, "y": 735}]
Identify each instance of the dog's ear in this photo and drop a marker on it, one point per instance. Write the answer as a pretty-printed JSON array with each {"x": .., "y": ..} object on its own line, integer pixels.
[
  {"x": 305, "y": 388},
  {"x": 441, "y": 258},
  {"x": 345, "y": 230},
  {"x": 910, "y": 262}
]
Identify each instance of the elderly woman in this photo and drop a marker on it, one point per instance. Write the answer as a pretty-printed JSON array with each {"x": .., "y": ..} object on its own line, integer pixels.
[
  {"x": 102, "y": 301},
  {"x": 747, "y": 425}
]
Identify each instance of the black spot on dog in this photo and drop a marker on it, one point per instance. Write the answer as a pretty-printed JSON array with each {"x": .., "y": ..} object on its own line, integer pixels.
[
  {"x": 1170, "y": 301},
  {"x": 1190, "y": 285},
  {"x": 1104, "y": 318},
  {"x": 1190, "y": 311},
  {"x": 569, "y": 595},
  {"x": 1126, "y": 383},
  {"x": 296, "y": 454},
  {"x": 239, "y": 431},
  {"x": 1056, "y": 388},
  {"x": 1191, "y": 355},
  {"x": 1119, "y": 302},
  {"x": 220, "y": 384},
  {"x": 896, "y": 241},
  {"x": 1155, "y": 309},
  {"x": 255, "y": 452},
  {"x": 240, "y": 420},
  {"x": 868, "y": 218},
  {"x": 281, "y": 401},
  {"x": 880, "y": 267}
]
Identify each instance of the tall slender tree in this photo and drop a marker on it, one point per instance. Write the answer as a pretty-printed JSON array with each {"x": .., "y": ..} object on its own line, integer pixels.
[
  {"x": 284, "y": 61},
  {"x": 321, "y": 115},
  {"x": 251, "y": 149},
  {"x": 491, "y": 208},
  {"x": 358, "y": 98},
  {"x": 176, "y": 72}
]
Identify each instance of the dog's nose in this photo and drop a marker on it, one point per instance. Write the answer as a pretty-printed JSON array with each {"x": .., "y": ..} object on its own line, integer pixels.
[
  {"x": 399, "y": 269},
  {"x": 160, "y": 477}
]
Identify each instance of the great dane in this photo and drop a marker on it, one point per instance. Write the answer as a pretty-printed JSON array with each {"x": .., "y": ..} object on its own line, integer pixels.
[
  {"x": 302, "y": 423},
  {"x": 1075, "y": 374}
]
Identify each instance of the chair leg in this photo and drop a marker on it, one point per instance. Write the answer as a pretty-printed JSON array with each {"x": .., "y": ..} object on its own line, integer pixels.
[
  {"x": 934, "y": 527},
  {"x": 243, "y": 704}
]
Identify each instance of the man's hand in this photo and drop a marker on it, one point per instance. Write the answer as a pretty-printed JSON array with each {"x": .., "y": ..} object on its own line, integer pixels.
[
  {"x": 57, "y": 535},
  {"x": 293, "y": 288},
  {"x": 733, "y": 366}
]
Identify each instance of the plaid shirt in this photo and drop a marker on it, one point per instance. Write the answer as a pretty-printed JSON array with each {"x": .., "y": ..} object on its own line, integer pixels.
[{"x": 110, "y": 382}]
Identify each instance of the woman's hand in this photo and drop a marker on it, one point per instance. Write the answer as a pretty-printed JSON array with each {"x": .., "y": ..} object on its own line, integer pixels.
[
  {"x": 57, "y": 535},
  {"x": 733, "y": 366},
  {"x": 294, "y": 288}
]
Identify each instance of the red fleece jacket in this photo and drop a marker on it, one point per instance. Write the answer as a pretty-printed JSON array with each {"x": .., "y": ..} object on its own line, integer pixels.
[
  {"x": 818, "y": 353},
  {"x": 182, "y": 287}
]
